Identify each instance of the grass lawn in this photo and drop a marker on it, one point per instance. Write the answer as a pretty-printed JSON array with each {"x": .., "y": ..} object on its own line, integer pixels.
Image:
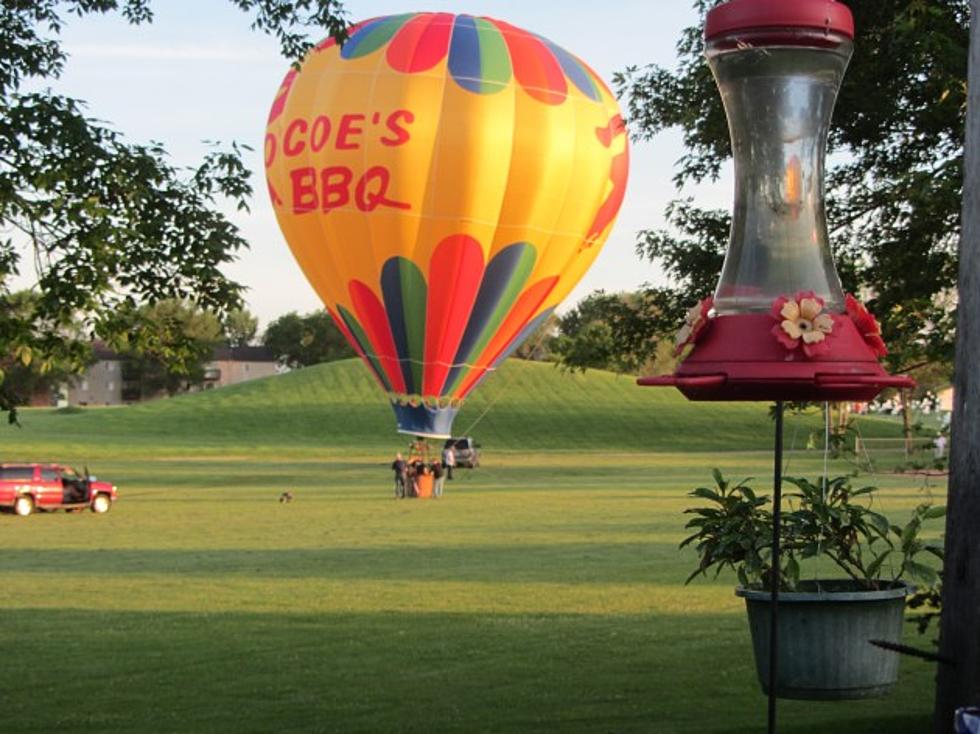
[{"x": 544, "y": 592}]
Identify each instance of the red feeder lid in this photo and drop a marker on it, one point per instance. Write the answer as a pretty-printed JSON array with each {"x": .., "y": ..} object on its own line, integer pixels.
[{"x": 743, "y": 15}]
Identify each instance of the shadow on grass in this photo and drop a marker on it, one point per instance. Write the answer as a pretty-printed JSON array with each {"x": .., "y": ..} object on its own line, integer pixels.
[{"x": 96, "y": 671}]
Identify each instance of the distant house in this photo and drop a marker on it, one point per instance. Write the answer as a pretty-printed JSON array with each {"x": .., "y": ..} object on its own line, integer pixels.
[
  {"x": 100, "y": 384},
  {"x": 104, "y": 383},
  {"x": 231, "y": 365}
]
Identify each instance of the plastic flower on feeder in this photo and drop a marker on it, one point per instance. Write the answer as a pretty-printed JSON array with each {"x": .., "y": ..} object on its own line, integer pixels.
[
  {"x": 867, "y": 325},
  {"x": 695, "y": 322},
  {"x": 802, "y": 322}
]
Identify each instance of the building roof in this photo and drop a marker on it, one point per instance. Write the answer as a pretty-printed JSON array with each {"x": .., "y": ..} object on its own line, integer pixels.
[
  {"x": 221, "y": 354},
  {"x": 101, "y": 351},
  {"x": 243, "y": 354}
]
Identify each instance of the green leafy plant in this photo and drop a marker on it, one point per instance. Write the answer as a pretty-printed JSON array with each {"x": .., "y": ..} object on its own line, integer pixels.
[
  {"x": 824, "y": 519},
  {"x": 930, "y": 600}
]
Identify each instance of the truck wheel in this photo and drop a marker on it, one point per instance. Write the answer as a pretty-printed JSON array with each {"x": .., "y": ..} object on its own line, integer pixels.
[
  {"x": 24, "y": 505},
  {"x": 101, "y": 503}
]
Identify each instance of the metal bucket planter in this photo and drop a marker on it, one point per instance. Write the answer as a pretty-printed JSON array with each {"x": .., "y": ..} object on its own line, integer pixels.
[{"x": 824, "y": 651}]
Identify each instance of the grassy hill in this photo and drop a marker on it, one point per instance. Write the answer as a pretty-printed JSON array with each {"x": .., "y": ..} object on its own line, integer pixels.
[{"x": 527, "y": 406}]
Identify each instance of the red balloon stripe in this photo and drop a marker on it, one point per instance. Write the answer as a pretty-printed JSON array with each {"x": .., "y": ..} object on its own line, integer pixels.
[
  {"x": 355, "y": 345},
  {"x": 374, "y": 319},
  {"x": 535, "y": 67},
  {"x": 421, "y": 44},
  {"x": 455, "y": 273}
]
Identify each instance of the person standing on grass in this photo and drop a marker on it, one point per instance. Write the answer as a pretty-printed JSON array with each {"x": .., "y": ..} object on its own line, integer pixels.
[
  {"x": 449, "y": 460},
  {"x": 440, "y": 477},
  {"x": 400, "y": 467}
]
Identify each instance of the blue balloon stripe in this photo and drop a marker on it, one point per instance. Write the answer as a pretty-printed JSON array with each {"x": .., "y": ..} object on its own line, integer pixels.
[
  {"x": 464, "y": 54},
  {"x": 391, "y": 291},
  {"x": 495, "y": 285},
  {"x": 518, "y": 340},
  {"x": 575, "y": 71}
]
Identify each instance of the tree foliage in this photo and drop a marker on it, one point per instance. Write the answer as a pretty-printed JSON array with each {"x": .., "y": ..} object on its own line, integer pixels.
[
  {"x": 240, "y": 327},
  {"x": 300, "y": 341},
  {"x": 178, "y": 340},
  {"x": 101, "y": 225},
  {"x": 893, "y": 192},
  {"x": 609, "y": 331},
  {"x": 24, "y": 376}
]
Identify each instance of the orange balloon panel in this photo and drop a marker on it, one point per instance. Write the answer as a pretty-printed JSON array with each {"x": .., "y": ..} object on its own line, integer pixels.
[{"x": 444, "y": 181}]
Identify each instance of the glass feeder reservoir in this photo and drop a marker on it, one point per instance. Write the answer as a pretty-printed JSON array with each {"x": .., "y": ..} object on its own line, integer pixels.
[{"x": 779, "y": 326}]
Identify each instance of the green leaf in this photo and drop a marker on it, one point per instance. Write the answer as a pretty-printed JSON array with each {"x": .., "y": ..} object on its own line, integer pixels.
[
  {"x": 875, "y": 566},
  {"x": 921, "y": 571},
  {"x": 719, "y": 479},
  {"x": 934, "y": 512},
  {"x": 694, "y": 575},
  {"x": 792, "y": 572},
  {"x": 909, "y": 532},
  {"x": 879, "y": 523},
  {"x": 705, "y": 493}
]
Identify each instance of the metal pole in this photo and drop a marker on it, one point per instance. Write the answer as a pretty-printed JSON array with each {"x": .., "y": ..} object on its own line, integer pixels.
[{"x": 777, "y": 501}]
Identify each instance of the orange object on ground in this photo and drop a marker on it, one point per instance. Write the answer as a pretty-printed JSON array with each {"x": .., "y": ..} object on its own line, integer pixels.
[{"x": 425, "y": 482}]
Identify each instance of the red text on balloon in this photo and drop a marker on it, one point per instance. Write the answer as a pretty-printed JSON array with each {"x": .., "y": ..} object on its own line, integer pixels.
[
  {"x": 332, "y": 187},
  {"x": 346, "y": 132}
]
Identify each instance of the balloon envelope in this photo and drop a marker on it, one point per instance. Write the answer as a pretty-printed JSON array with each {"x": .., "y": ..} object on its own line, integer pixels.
[{"x": 443, "y": 181}]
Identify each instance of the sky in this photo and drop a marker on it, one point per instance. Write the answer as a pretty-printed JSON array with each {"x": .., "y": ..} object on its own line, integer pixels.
[{"x": 199, "y": 73}]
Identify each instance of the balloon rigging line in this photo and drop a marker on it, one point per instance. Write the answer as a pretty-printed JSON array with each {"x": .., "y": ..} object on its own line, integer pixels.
[
  {"x": 500, "y": 391},
  {"x": 423, "y": 362}
]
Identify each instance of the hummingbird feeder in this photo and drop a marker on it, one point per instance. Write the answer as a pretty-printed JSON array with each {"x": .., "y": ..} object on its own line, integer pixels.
[{"x": 779, "y": 326}]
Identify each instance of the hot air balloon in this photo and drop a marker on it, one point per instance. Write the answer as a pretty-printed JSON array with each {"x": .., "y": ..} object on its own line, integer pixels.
[{"x": 443, "y": 181}]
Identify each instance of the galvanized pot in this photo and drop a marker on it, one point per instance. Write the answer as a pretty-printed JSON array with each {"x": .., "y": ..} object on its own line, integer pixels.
[{"x": 824, "y": 651}]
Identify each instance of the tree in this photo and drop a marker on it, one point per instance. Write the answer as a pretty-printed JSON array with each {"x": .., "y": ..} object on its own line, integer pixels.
[
  {"x": 893, "y": 197},
  {"x": 300, "y": 341},
  {"x": 23, "y": 376},
  {"x": 609, "y": 331},
  {"x": 106, "y": 224},
  {"x": 539, "y": 344},
  {"x": 179, "y": 339},
  {"x": 240, "y": 327}
]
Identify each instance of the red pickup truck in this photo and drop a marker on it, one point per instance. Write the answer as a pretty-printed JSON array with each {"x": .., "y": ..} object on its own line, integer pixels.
[{"x": 25, "y": 488}]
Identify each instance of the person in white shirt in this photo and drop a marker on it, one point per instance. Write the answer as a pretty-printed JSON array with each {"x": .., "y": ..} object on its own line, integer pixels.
[{"x": 449, "y": 460}]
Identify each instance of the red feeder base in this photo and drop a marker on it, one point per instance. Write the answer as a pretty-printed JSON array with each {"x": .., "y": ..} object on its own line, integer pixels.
[{"x": 738, "y": 358}]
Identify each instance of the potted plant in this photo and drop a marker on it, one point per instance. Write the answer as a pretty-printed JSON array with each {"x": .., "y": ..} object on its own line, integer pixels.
[{"x": 824, "y": 625}]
